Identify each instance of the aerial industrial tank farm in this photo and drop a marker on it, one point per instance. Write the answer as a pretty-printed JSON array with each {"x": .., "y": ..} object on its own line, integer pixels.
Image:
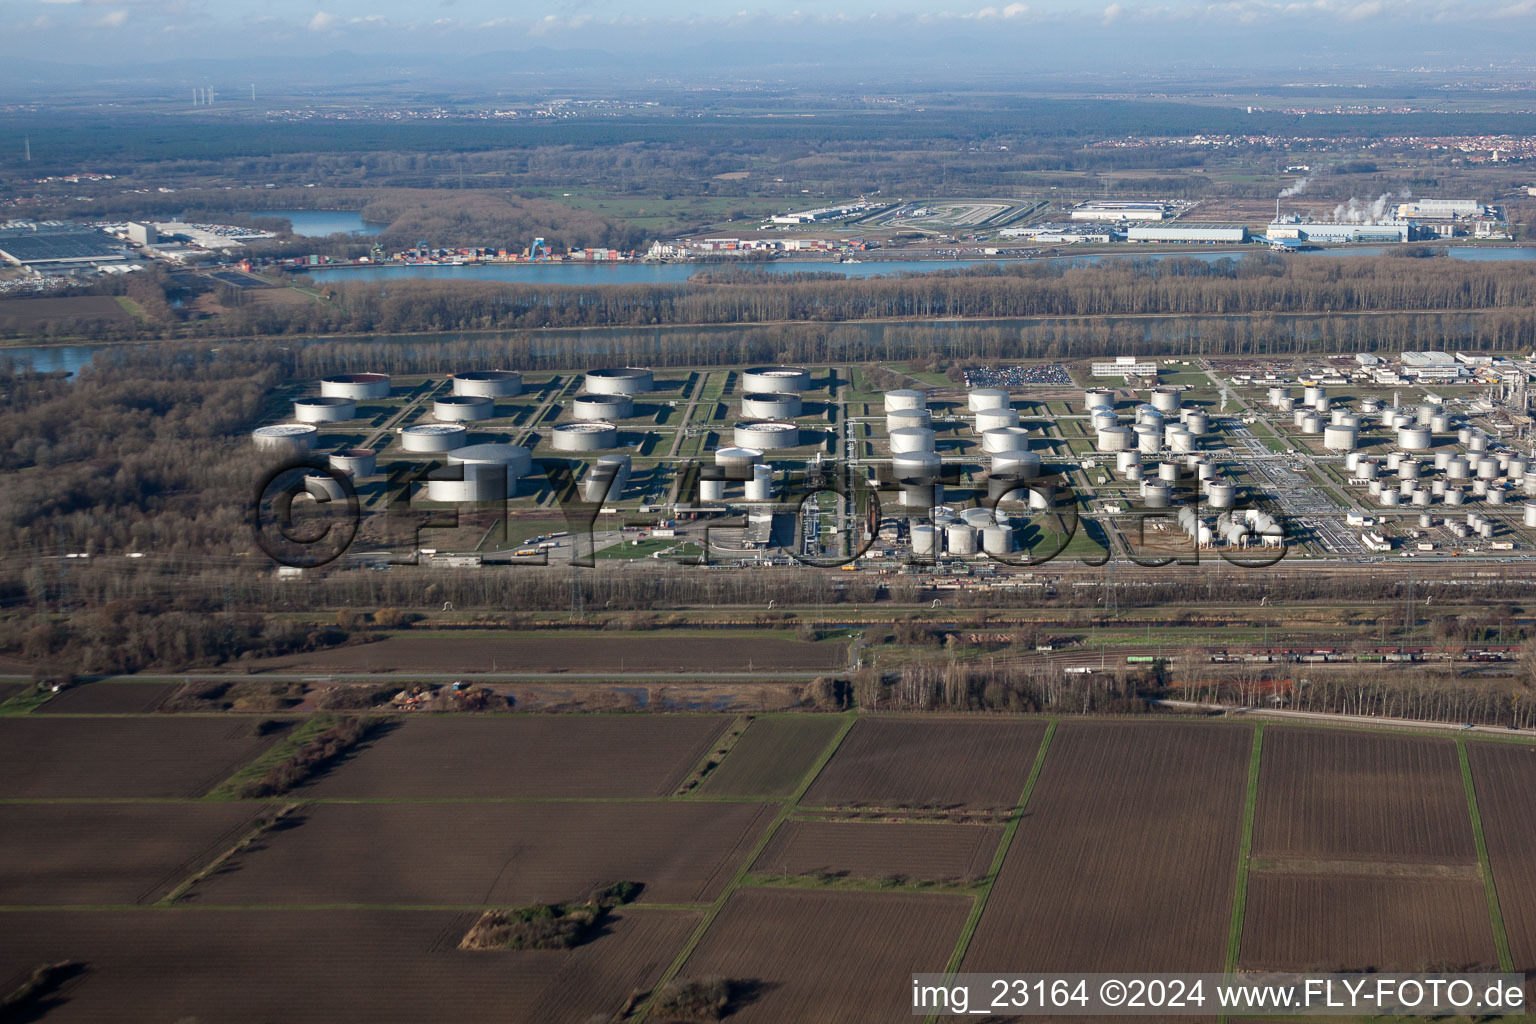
[{"x": 1423, "y": 456}]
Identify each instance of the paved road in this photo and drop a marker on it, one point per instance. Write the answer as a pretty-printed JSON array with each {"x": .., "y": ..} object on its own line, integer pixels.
[{"x": 1320, "y": 716}]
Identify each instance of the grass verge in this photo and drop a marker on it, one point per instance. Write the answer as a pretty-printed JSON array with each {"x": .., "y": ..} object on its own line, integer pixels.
[
  {"x": 1490, "y": 890},
  {"x": 279, "y": 752}
]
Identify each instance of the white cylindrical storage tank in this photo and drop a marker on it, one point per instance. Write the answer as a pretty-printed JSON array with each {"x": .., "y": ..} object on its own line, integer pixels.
[
  {"x": 1321, "y": 406},
  {"x": 1529, "y": 484},
  {"x": 1464, "y": 435},
  {"x": 992, "y": 419},
  {"x": 1205, "y": 471},
  {"x": 1166, "y": 400},
  {"x": 760, "y": 487},
  {"x": 765, "y": 406},
  {"x": 1426, "y": 521},
  {"x": 620, "y": 380},
  {"x": 1488, "y": 470},
  {"x": 1149, "y": 414},
  {"x": 1337, "y": 414},
  {"x": 903, "y": 418},
  {"x": 1442, "y": 460},
  {"x": 1479, "y": 443},
  {"x": 1156, "y": 496},
  {"x": 1407, "y": 487},
  {"x": 776, "y": 379},
  {"x": 1474, "y": 459},
  {"x": 488, "y": 383},
  {"x": 1286, "y": 406},
  {"x": 1530, "y": 514},
  {"x": 711, "y": 490},
  {"x": 1016, "y": 465},
  {"x": 924, "y": 539},
  {"x": 1458, "y": 468},
  {"x": 1495, "y": 496},
  {"x": 1096, "y": 397},
  {"x": 1149, "y": 438},
  {"x": 1126, "y": 459},
  {"x": 1180, "y": 440},
  {"x": 462, "y": 408},
  {"x": 1370, "y": 405},
  {"x": 981, "y": 399},
  {"x": 1115, "y": 439},
  {"x": 910, "y": 439},
  {"x": 1133, "y": 473},
  {"x": 479, "y": 472},
  {"x": 515, "y": 459},
  {"x": 294, "y": 437},
  {"x": 1220, "y": 495},
  {"x": 1408, "y": 469},
  {"x": 602, "y": 407},
  {"x": 960, "y": 539},
  {"x": 1455, "y": 496},
  {"x": 1197, "y": 423},
  {"x": 324, "y": 487},
  {"x": 433, "y": 437},
  {"x": 1276, "y": 395},
  {"x": 767, "y": 435},
  {"x": 905, "y": 398},
  {"x": 1440, "y": 423},
  {"x": 1312, "y": 394},
  {"x": 606, "y": 480},
  {"x": 1394, "y": 459},
  {"x": 586, "y": 437},
  {"x": 324, "y": 410},
  {"x": 1103, "y": 419},
  {"x": 1299, "y": 415},
  {"x": 737, "y": 462},
  {"x": 1042, "y": 498},
  {"x": 357, "y": 386},
  {"x": 1168, "y": 472},
  {"x": 1339, "y": 439},
  {"x": 1480, "y": 488},
  {"x": 355, "y": 462},
  {"x": 1312, "y": 424},
  {"x": 1004, "y": 439},
  {"x": 919, "y": 465},
  {"x": 1426, "y": 412},
  {"x": 978, "y": 518},
  {"x": 1368, "y": 470},
  {"x": 997, "y": 540},
  {"x": 1352, "y": 461},
  {"x": 1374, "y": 487},
  {"x": 1437, "y": 488},
  {"x": 1516, "y": 468},
  {"x": 1390, "y": 498},
  {"x": 1413, "y": 439}
]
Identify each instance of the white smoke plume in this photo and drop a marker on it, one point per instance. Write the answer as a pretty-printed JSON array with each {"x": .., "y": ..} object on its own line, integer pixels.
[
  {"x": 1296, "y": 189},
  {"x": 1356, "y": 212}
]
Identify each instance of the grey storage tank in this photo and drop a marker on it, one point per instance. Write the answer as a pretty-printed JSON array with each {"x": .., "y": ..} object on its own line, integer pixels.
[
  {"x": 355, "y": 462},
  {"x": 324, "y": 410},
  {"x": 619, "y": 380},
  {"x": 1413, "y": 439},
  {"x": 1004, "y": 439},
  {"x": 602, "y": 407},
  {"x": 462, "y": 408},
  {"x": 584, "y": 436},
  {"x": 759, "y": 405},
  {"x": 992, "y": 419},
  {"x": 1115, "y": 439},
  {"x": 1166, "y": 400},
  {"x": 606, "y": 480},
  {"x": 291, "y": 437},
  {"x": 924, "y": 540},
  {"x": 911, "y": 439},
  {"x": 997, "y": 540},
  {"x": 488, "y": 383},
  {"x": 433, "y": 437},
  {"x": 981, "y": 399},
  {"x": 960, "y": 539},
  {"x": 905, "y": 398},
  {"x": 775, "y": 379},
  {"x": 359, "y": 387},
  {"x": 766, "y": 435}
]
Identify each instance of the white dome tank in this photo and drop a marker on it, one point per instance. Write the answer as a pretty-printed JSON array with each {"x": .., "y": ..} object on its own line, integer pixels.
[
  {"x": 355, "y": 462},
  {"x": 602, "y": 407},
  {"x": 987, "y": 398},
  {"x": 1166, "y": 400},
  {"x": 1004, "y": 439},
  {"x": 775, "y": 379},
  {"x": 293, "y": 437},
  {"x": 911, "y": 439},
  {"x": 1115, "y": 439},
  {"x": 905, "y": 398},
  {"x": 1413, "y": 439},
  {"x": 766, "y": 435},
  {"x": 1338, "y": 438},
  {"x": 907, "y": 418},
  {"x": 584, "y": 436},
  {"x": 462, "y": 408},
  {"x": 960, "y": 539},
  {"x": 765, "y": 406},
  {"x": 619, "y": 380},
  {"x": 433, "y": 437}
]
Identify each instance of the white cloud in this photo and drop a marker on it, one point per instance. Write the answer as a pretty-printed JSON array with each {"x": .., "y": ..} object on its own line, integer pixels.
[
  {"x": 1112, "y": 13},
  {"x": 323, "y": 21},
  {"x": 112, "y": 19}
]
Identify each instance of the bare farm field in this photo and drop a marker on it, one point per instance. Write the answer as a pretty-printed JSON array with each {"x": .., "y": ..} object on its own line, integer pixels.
[
  {"x": 772, "y": 756},
  {"x": 551, "y": 757},
  {"x": 939, "y": 764},
  {"x": 30, "y": 314},
  {"x": 862, "y": 849},
  {"x": 1331, "y": 795},
  {"x": 578, "y": 655},
  {"x": 1505, "y": 776},
  {"x": 110, "y": 699},
  {"x": 1299, "y": 922},
  {"x": 323, "y": 966},
  {"x": 821, "y": 957},
  {"x": 497, "y": 854},
  {"x": 1126, "y": 855},
  {"x": 43, "y": 758}
]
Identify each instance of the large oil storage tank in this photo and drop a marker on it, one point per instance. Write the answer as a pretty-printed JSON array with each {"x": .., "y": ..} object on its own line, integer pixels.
[
  {"x": 1408, "y": 469},
  {"x": 992, "y": 419},
  {"x": 1479, "y": 443},
  {"x": 433, "y": 437},
  {"x": 1115, "y": 439},
  {"x": 585, "y": 436},
  {"x": 1102, "y": 418},
  {"x": 357, "y": 386},
  {"x": 1517, "y": 468},
  {"x": 1197, "y": 422},
  {"x": 923, "y": 466},
  {"x": 928, "y": 495},
  {"x": 766, "y": 435},
  {"x": 1299, "y": 415},
  {"x": 1455, "y": 496},
  {"x": 905, "y": 398},
  {"x": 738, "y": 462},
  {"x": 1166, "y": 400},
  {"x": 324, "y": 410},
  {"x": 490, "y": 472},
  {"x": 1149, "y": 438},
  {"x": 1440, "y": 424},
  {"x": 1157, "y": 496},
  {"x": 1413, "y": 439},
  {"x": 924, "y": 540},
  {"x": 1312, "y": 424},
  {"x": 1488, "y": 470},
  {"x": 775, "y": 379},
  {"x": 355, "y": 462},
  {"x": 324, "y": 487},
  {"x": 987, "y": 398},
  {"x": 907, "y": 418},
  {"x": 488, "y": 383},
  {"x": 1096, "y": 397},
  {"x": 1340, "y": 439},
  {"x": 602, "y": 407},
  {"x": 761, "y": 405},
  {"x": 997, "y": 540},
  {"x": 620, "y": 380},
  {"x": 292, "y": 437},
  {"x": 1219, "y": 494},
  {"x": 1169, "y": 472},
  {"x": 1016, "y": 465},
  {"x": 1371, "y": 406},
  {"x": 1149, "y": 414},
  {"x": 911, "y": 439},
  {"x": 1134, "y": 473},
  {"x": 1180, "y": 440},
  {"x": 1312, "y": 394},
  {"x": 606, "y": 480},
  {"x": 1458, "y": 468},
  {"x": 462, "y": 408},
  {"x": 1529, "y": 511},
  {"x": 1389, "y": 498},
  {"x": 1004, "y": 439},
  {"x": 1124, "y": 460},
  {"x": 1276, "y": 395},
  {"x": 1495, "y": 496},
  {"x": 960, "y": 538},
  {"x": 1286, "y": 406},
  {"x": 711, "y": 488},
  {"x": 1426, "y": 412},
  {"x": 760, "y": 487}
]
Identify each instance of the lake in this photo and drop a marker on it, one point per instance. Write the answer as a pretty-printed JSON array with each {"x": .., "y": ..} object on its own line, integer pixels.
[{"x": 320, "y": 223}]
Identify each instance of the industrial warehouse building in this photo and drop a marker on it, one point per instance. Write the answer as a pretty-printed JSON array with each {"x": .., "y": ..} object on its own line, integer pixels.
[
  {"x": 1322, "y": 233},
  {"x": 58, "y": 249},
  {"x": 1106, "y": 209},
  {"x": 1187, "y": 232}
]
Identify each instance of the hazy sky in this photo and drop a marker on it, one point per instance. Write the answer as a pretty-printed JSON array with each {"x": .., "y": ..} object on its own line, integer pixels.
[{"x": 1231, "y": 32}]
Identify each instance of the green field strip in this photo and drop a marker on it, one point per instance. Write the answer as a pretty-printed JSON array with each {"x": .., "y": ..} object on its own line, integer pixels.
[
  {"x": 182, "y": 908},
  {"x": 270, "y": 758},
  {"x": 715, "y": 908},
  {"x": 25, "y": 704},
  {"x": 979, "y": 905},
  {"x": 1490, "y": 889},
  {"x": 1244, "y": 851},
  {"x": 852, "y": 883}
]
